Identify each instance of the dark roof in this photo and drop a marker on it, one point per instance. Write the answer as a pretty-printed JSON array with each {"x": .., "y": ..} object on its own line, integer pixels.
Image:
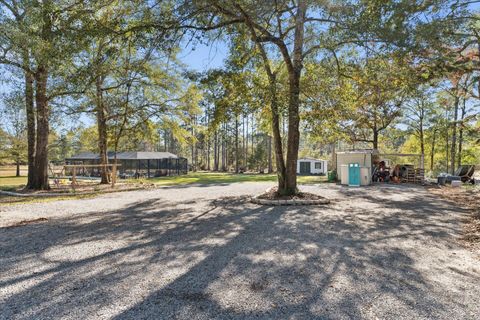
[{"x": 127, "y": 155}]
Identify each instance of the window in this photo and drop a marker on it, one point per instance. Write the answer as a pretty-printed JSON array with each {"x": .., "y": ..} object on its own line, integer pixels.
[{"x": 318, "y": 165}]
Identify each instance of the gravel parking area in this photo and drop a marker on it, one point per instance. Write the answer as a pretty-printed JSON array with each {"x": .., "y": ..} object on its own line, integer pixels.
[{"x": 206, "y": 252}]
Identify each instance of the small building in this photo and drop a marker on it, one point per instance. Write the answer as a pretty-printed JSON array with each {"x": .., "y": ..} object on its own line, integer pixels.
[
  {"x": 306, "y": 166},
  {"x": 133, "y": 163},
  {"x": 361, "y": 167},
  {"x": 365, "y": 160}
]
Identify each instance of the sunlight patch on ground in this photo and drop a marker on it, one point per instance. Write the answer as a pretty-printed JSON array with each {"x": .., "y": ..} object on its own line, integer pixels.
[
  {"x": 82, "y": 250},
  {"x": 219, "y": 178},
  {"x": 11, "y": 182}
]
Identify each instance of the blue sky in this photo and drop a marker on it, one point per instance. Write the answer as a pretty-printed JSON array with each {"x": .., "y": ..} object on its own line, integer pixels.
[{"x": 202, "y": 57}]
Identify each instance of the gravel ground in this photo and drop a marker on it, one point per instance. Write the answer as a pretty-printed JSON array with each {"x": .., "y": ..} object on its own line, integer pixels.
[{"x": 205, "y": 252}]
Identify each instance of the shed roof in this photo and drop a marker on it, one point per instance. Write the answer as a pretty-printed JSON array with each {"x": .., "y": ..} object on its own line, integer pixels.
[
  {"x": 359, "y": 151},
  {"x": 311, "y": 159},
  {"x": 126, "y": 155}
]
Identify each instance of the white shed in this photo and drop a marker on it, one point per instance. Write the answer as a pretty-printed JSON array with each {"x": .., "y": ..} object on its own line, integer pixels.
[{"x": 312, "y": 166}]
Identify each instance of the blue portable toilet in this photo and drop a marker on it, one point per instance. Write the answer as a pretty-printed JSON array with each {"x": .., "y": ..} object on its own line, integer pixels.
[{"x": 354, "y": 175}]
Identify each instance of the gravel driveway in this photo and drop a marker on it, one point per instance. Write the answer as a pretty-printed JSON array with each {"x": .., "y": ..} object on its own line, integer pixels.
[{"x": 205, "y": 252}]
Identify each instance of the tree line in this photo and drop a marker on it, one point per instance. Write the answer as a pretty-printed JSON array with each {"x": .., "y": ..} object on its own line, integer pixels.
[{"x": 307, "y": 72}]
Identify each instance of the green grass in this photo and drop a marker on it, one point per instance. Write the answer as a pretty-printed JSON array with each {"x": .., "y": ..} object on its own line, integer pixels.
[
  {"x": 226, "y": 178},
  {"x": 12, "y": 183},
  {"x": 10, "y": 171}
]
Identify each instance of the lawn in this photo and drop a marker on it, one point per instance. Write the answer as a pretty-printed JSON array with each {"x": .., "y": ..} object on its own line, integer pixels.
[
  {"x": 12, "y": 182},
  {"x": 226, "y": 178},
  {"x": 8, "y": 180},
  {"x": 9, "y": 171}
]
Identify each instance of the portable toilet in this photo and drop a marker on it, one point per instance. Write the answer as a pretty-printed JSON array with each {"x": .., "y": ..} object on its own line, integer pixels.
[{"x": 354, "y": 174}]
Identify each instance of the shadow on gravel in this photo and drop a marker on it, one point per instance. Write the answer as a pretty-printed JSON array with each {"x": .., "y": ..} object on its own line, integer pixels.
[{"x": 231, "y": 259}]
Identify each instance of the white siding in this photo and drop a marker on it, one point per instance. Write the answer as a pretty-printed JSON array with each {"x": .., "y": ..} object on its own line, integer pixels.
[{"x": 323, "y": 164}]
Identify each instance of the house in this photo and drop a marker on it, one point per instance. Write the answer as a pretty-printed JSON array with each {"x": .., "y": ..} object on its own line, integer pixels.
[
  {"x": 308, "y": 166},
  {"x": 134, "y": 163}
]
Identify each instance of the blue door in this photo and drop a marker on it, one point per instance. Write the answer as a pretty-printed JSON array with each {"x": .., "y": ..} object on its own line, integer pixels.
[{"x": 354, "y": 174}]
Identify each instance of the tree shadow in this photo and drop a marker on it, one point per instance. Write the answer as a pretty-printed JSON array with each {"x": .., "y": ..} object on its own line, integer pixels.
[{"x": 228, "y": 258}]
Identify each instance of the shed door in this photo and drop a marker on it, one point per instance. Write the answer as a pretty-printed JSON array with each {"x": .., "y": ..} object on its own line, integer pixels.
[
  {"x": 304, "y": 167},
  {"x": 353, "y": 174}
]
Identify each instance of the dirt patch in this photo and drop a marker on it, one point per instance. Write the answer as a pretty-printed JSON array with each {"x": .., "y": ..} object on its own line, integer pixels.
[
  {"x": 272, "y": 194},
  {"x": 468, "y": 199},
  {"x": 259, "y": 285},
  {"x": 26, "y": 222},
  {"x": 85, "y": 187},
  {"x": 10, "y": 199}
]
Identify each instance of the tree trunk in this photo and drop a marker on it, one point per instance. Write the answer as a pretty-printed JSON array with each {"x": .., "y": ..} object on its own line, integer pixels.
[
  {"x": 224, "y": 168},
  {"x": 447, "y": 143},
  {"x": 277, "y": 138},
  {"x": 460, "y": 135},
  {"x": 17, "y": 162},
  {"x": 237, "y": 169},
  {"x": 208, "y": 154},
  {"x": 243, "y": 143},
  {"x": 375, "y": 139},
  {"x": 217, "y": 164},
  {"x": 432, "y": 150},
  {"x": 209, "y": 140},
  {"x": 246, "y": 144},
  {"x": 194, "y": 165},
  {"x": 194, "y": 162},
  {"x": 253, "y": 135},
  {"x": 295, "y": 72},
  {"x": 227, "y": 160},
  {"x": 40, "y": 174},
  {"x": 31, "y": 127},
  {"x": 215, "y": 152},
  {"x": 195, "y": 148},
  {"x": 454, "y": 136},
  {"x": 165, "y": 140},
  {"x": 293, "y": 135},
  {"x": 270, "y": 164},
  {"x": 172, "y": 147},
  {"x": 102, "y": 130},
  {"x": 421, "y": 136},
  {"x": 287, "y": 172}
]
